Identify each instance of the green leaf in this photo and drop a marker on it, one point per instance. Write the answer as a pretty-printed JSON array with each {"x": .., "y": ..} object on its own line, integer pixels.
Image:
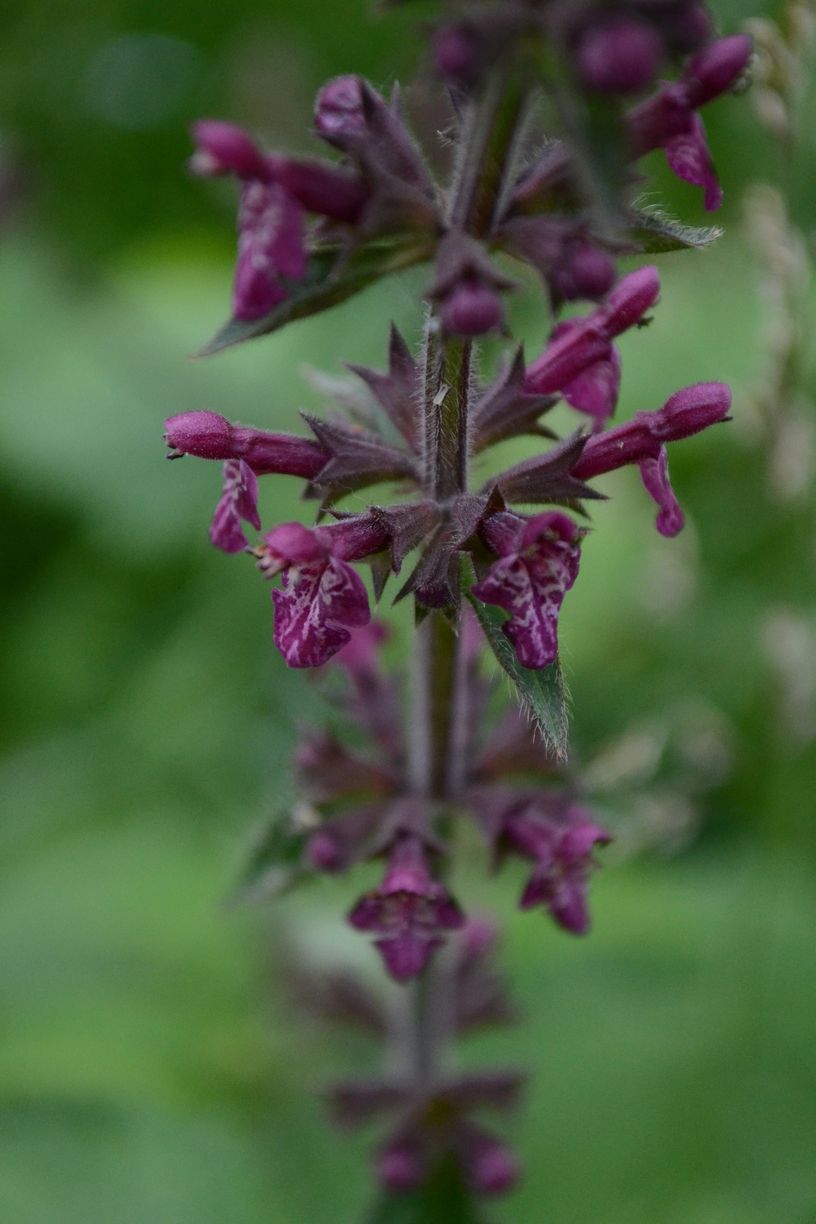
[
  {"x": 275, "y": 861},
  {"x": 655, "y": 233},
  {"x": 332, "y": 276},
  {"x": 542, "y": 692}
]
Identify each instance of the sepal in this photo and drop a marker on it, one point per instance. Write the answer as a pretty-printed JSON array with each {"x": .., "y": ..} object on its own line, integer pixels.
[
  {"x": 396, "y": 392},
  {"x": 505, "y": 409}
]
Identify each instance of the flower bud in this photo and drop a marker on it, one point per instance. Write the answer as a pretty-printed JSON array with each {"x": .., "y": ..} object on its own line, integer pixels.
[
  {"x": 205, "y": 434},
  {"x": 400, "y": 1165},
  {"x": 716, "y": 68},
  {"x": 621, "y": 55},
  {"x": 629, "y": 301},
  {"x": 690, "y": 410},
  {"x": 457, "y": 54},
  {"x": 339, "y": 110},
  {"x": 588, "y": 272},
  {"x": 323, "y": 852},
  {"x": 473, "y": 308},
  {"x": 491, "y": 1166}
]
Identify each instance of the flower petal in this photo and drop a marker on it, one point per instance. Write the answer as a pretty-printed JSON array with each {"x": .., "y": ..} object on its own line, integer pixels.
[
  {"x": 239, "y": 500},
  {"x": 655, "y": 476},
  {"x": 689, "y": 158},
  {"x": 315, "y": 608}
]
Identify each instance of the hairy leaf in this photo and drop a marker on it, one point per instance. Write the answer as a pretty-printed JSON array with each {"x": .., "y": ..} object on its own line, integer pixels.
[
  {"x": 331, "y": 278},
  {"x": 542, "y": 692},
  {"x": 656, "y": 233}
]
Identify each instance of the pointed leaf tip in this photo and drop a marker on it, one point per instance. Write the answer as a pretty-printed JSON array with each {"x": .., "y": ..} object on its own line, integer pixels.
[{"x": 333, "y": 274}]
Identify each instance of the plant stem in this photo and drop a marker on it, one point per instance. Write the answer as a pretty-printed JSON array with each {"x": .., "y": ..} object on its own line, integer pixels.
[
  {"x": 439, "y": 716},
  {"x": 488, "y": 143}
]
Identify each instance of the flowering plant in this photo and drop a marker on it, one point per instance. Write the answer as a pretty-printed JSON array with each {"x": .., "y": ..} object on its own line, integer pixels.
[{"x": 487, "y": 565}]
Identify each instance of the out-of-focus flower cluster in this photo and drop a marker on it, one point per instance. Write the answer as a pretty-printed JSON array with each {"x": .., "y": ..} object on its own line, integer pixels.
[{"x": 438, "y": 1119}]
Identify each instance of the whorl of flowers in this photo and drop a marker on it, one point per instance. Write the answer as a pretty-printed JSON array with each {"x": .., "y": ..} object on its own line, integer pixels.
[{"x": 490, "y": 561}]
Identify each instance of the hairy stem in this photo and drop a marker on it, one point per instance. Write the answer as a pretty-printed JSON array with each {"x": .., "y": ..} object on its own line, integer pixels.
[
  {"x": 488, "y": 142},
  {"x": 439, "y": 714}
]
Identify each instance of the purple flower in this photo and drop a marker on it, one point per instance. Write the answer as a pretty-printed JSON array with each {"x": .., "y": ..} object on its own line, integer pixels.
[
  {"x": 560, "y": 842},
  {"x": 409, "y": 911},
  {"x": 270, "y": 221},
  {"x": 248, "y": 453},
  {"x": 458, "y": 54},
  {"x": 619, "y": 55},
  {"x": 537, "y": 564},
  {"x": 352, "y": 116},
  {"x": 239, "y": 500},
  {"x": 223, "y": 148},
  {"x": 321, "y": 188},
  {"x": 643, "y": 441},
  {"x": 655, "y": 476},
  {"x": 270, "y": 248},
  {"x": 400, "y": 1163},
  {"x": 322, "y": 597},
  {"x": 490, "y": 1166},
  {"x": 274, "y": 193},
  {"x": 347, "y": 838},
  {"x": 207, "y": 435},
  {"x": 466, "y": 287},
  {"x": 570, "y": 264},
  {"x": 595, "y": 390},
  {"x": 327, "y": 190},
  {"x": 580, "y": 361},
  {"x": 668, "y": 119}
]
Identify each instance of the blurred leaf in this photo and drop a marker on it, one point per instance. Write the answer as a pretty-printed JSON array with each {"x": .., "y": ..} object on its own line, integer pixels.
[
  {"x": 275, "y": 863},
  {"x": 656, "y": 233},
  {"x": 541, "y": 691},
  {"x": 331, "y": 278}
]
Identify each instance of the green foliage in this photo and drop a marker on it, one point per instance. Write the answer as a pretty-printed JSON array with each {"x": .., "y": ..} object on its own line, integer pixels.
[
  {"x": 332, "y": 277},
  {"x": 541, "y": 692},
  {"x": 275, "y": 861},
  {"x": 655, "y": 233}
]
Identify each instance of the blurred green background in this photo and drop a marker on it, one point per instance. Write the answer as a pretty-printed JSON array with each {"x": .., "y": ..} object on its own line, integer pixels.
[{"x": 150, "y": 1070}]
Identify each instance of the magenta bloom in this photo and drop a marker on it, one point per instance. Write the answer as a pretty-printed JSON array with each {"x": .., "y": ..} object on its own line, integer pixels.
[
  {"x": 410, "y": 911},
  {"x": 270, "y": 248},
  {"x": 270, "y": 220},
  {"x": 322, "y": 597},
  {"x": 569, "y": 262},
  {"x": 580, "y": 361},
  {"x": 490, "y": 1166},
  {"x": 595, "y": 390},
  {"x": 669, "y": 119},
  {"x": 223, "y": 148},
  {"x": 619, "y": 55},
  {"x": 561, "y": 846},
  {"x": 239, "y": 500},
  {"x": 467, "y": 287},
  {"x": 207, "y": 435},
  {"x": 248, "y": 454},
  {"x": 537, "y": 564},
  {"x": 643, "y": 441}
]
